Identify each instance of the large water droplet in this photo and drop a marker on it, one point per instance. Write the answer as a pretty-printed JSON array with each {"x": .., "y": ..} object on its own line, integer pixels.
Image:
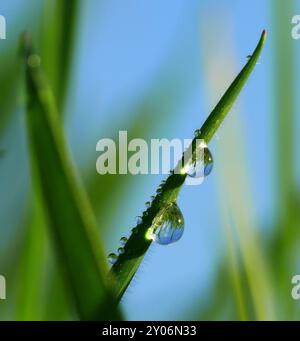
[
  {"x": 123, "y": 241},
  {"x": 202, "y": 167},
  {"x": 168, "y": 226},
  {"x": 112, "y": 258}
]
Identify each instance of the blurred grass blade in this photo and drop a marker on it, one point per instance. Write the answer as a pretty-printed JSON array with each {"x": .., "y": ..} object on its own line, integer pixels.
[
  {"x": 235, "y": 272},
  {"x": 247, "y": 236},
  {"x": 128, "y": 262},
  {"x": 285, "y": 245},
  {"x": 67, "y": 208},
  {"x": 57, "y": 42}
]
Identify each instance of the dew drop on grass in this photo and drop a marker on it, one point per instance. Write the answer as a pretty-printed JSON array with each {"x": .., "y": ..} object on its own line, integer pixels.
[
  {"x": 197, "y": 132},
  {"x": 112, "y": 258},
  {"x": 203, "y": 167},
  {"x": 123, "y": 241},
  {"x": 121, "y": 250},
  {"x": 168, "y": 227}
]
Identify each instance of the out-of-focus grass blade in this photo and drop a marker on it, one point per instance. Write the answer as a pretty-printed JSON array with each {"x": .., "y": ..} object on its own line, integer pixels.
[
  {"x": 285, "y": 247},
  {"x": 57, "y": 40},
  {"x": 8, "y": 88},
  {"x": 128, "y": 262},
  {"x": 249, "y": 284},
  {"x": 244, "y": 219},
  {"x": 29, "y": 304},
  {"x": 235, "y": 273},
  {"x": 67, "y": 208}
]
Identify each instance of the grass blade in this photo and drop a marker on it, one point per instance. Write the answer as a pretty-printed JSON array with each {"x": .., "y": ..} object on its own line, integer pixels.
[
  {"x": 127, "y": 264},
  {"x": 67, "y": 208},
  {"x": 60, "y": 19},
  {"x": 57, "y": 39},
  {"x": 285, "y": 246}
]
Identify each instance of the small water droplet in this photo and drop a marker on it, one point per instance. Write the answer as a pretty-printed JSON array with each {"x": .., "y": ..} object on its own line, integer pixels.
[
  {"x": 121, "y": 250},
  {"x": 139, "y": 219},
  {"x": 197, "y": 132},
  {"x": 198, "y": 168},
  {"x": 168, "y": 227},
  {"x": 146, "y": 213},
  {"x": 123, "y": 241},
  {"x": 249, "y": 56},
  {"x": 112, "y": 258},
  {"x": 148, "y": 204}
]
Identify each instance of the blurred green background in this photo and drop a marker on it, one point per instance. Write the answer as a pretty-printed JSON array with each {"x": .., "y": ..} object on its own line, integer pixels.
[{"x": 157, "y": 68}]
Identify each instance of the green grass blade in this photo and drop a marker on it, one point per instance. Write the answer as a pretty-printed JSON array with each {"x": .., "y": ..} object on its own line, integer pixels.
[
  {"x": 127, "y": 264},
  {"x": 217, "y": 116},
  {"x": 285, "y": 245},
  {"x": 57, "y": 41},
  {"x": 33, "y": 248},
  {"x": 68, "y": 211}
]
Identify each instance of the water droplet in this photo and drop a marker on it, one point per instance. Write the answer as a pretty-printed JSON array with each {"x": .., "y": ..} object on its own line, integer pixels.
[
  {"x": 123, "y": 241},
  {"x": 145, "y": 214},
  {"x": 168, "y": 227},
  {"x": 112, "y": 258},
  {"x": 139, "y": 219},
  {"x": 148, "y": 204},
  {"x": 198, "y": 168},
  {"x": 249, "y": 56},
  {"x": 197, "y": 132},
  {"x": 121, "y": 250}
]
